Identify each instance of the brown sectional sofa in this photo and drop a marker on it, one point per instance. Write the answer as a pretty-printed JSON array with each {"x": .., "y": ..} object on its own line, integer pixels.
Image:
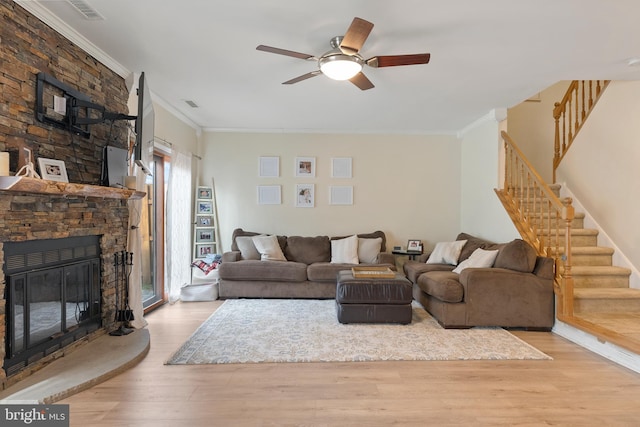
[
  {"x": 516, "y": 292},
  {"x": 307, "y": 272}
]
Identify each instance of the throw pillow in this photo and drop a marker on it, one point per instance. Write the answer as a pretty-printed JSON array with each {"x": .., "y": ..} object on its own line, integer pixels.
[
  {"x": 345, "y": 251},
  {"x": 247, "y": 247},
  {"x": 368, "y": 250},
  {"x": 480, "y": 258},
  {"x": 269, "y": 248},
  {"x": 446, "y": 252}
]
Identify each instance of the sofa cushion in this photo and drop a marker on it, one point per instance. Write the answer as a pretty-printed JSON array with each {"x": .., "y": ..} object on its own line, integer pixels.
[
  {"x": 516, "y": 255},
  {"x": 375, "y": 234},
  {"x": 247, "y": 248},
  {"x": 413, "y": 269},
  {"x": 480, "y": 258},
  {"x": 446, "y": 252},
  {"x": 345, "y": 251},
  {"x": 443, "y": 285},
  {"x": 308, "y": 249},
  {"x": 472, "y": 244},
  {"x": 263, "y": 271},
  {"x": 369, "y": 249},
  {"x": 269, "y": 248},
  {"x": 282, "y": 240}
]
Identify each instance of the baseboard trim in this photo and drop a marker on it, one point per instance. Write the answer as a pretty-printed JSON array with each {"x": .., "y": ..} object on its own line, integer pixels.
[{"x": 605, "y": 349}]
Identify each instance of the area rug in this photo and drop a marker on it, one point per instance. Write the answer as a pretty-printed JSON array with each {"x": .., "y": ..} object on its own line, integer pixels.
[{"x": 266, "y": 330}]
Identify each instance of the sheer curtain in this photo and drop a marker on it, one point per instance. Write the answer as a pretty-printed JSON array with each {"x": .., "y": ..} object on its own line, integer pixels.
[{"x": 178, "y": 224}]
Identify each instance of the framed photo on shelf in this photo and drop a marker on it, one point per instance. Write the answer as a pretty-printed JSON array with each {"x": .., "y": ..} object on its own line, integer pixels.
[
  {"x": 204, "y": 235},
  {"x": 205, "y": 193},
  {"x": 205, "y": 207},
  {"x": 414, "y": 246},
  {"x": 53, "y": 170},
  {"x": 204, "y": 250},
  {"x": 306, "y": 167},
  {"x": 305, "y": 195},
  {"x": 204, "y": 220}
]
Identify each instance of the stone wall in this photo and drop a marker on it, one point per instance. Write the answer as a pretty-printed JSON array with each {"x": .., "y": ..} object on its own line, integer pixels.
[{"x": 28, "y": 46}]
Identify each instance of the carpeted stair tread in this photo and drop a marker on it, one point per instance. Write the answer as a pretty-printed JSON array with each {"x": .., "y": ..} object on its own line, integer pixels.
[{"x": 602, "y": 300}]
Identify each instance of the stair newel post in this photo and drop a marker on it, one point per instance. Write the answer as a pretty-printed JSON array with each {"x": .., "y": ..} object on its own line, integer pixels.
[
  {"x": 556, "y": 144},
  {"x": 568, "y": 214}
]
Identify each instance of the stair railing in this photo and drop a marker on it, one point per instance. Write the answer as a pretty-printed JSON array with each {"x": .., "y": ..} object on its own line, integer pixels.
[
  {"x": 571, "y": 113},
  {"x": 541, "y": 218}
]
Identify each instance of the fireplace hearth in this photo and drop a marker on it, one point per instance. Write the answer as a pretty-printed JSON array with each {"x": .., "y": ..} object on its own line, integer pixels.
[{"x": 53, "y": 296}]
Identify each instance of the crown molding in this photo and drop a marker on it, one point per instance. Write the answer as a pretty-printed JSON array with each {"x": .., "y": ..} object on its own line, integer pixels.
[{"x": 39, "y": 11}]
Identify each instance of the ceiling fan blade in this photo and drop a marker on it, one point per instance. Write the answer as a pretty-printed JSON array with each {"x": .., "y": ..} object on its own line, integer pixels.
[
  {"x": 396, "y": 60},
  {"x": 361, "y": 81},
  {"x": 284, "y": 52},
  {"x": 302, "y": 77},
  {"x": 355, "y": 36}
]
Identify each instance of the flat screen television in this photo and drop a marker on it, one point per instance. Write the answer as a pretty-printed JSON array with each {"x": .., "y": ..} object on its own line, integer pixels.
[{"x": 145, "y": 122}]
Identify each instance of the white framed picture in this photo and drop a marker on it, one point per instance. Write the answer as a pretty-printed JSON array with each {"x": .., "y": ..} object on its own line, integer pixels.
[
  {"x": 53, "y": 170},
  {"x": 305, "y": 197},
  {"x": 341, "y": 195},
  {"x": 305, "y": 167},
  {"x": 269, "y": 195},
  {"x": 341, "y": 167},
  {"x": 205, "y": 193},
  {"x": 269, "y": 167}
]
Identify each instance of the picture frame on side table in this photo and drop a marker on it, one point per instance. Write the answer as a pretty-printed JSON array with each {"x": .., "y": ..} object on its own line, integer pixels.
[
  {"x": 53, "y": 170},
  {"x": 306, "y": 167},
  {"x": 414, "y": 246},
  {"x": 305, "y": 195}
]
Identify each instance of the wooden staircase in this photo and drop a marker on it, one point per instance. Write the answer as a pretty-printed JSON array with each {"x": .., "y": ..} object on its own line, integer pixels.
[{"x": 592, "y": 294}]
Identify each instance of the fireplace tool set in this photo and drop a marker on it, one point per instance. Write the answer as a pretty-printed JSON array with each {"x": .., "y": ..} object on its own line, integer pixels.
[{"x": 123, "y": 262}]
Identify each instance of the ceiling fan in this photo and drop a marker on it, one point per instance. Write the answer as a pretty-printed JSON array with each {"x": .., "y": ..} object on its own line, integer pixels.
[{"x": 344, "y": 61}]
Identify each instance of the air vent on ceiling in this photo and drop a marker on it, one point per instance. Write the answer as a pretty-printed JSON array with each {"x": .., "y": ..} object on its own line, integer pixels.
[
  {"x": 86, "y": 10},
  {"x": 191, "y": 103}
]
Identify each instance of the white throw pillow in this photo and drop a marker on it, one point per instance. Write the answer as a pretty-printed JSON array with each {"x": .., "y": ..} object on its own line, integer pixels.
[
  {"x": 247, "y": 248},
  {"x": 446, "y": 252},
  {"x": 480, "y": 258},
  {"x": 269, "y": 248},
  {"x": 345, "y": 251},
  {"x": 369, "y": 249}
]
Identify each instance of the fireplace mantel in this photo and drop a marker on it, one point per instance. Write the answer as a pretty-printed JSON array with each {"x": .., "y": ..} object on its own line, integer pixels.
[{"x": 22, "y": 184}]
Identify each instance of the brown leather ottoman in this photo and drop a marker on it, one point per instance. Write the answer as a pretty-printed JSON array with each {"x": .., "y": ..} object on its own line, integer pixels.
[{"x": 373, "y": 300}]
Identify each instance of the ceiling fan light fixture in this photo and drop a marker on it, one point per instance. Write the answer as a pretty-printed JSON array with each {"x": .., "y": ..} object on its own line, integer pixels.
[{"x": 340, "y": 66}]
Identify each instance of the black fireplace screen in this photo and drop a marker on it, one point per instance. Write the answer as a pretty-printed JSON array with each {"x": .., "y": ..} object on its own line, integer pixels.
[{"x": 53, "y": 296}]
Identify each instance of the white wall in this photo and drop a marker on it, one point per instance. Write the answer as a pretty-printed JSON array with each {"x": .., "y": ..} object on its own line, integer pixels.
[
  {"x": 482, "y": 213},
  {"x": 532, "y": 127},
  {"x": 601, "y": 168},
  {"x": 407, "y": 186}
]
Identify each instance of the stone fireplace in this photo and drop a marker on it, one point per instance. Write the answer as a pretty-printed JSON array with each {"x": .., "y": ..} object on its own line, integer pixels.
[{"x": 41, "y": 212}]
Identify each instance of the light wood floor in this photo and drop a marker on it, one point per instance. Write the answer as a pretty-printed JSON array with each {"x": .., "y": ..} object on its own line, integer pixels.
[{"x": 577, "y": 388}]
